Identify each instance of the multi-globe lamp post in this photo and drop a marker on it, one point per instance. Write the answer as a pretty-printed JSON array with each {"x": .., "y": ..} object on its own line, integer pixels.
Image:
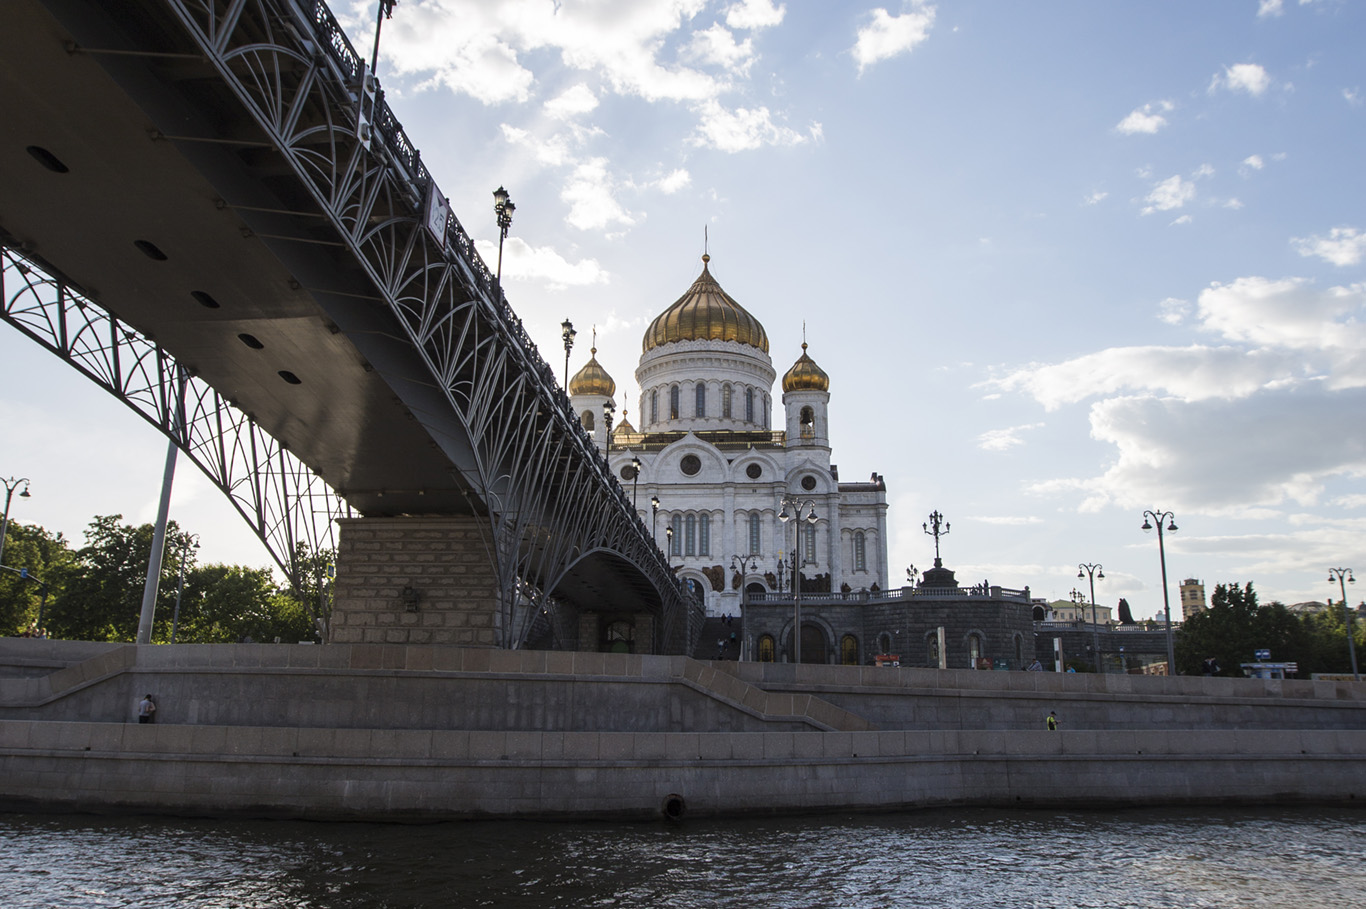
[
  {"x": 635, "y": 481},
  {"x": 1157, "y": 517},
  {"x": 654, "y": 520},
  {"x": 11, "y": 485},
  {"x": 1093, "y": 571},
  {"x": 798, "y": 506},
  {"x": 741, "y": 568},
  {"x": 503, "y": 208},
  {"x": 1344, "y": 577}
]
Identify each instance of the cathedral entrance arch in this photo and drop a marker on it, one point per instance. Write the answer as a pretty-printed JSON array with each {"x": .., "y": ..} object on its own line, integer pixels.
[{"x": 815, "y": 648}]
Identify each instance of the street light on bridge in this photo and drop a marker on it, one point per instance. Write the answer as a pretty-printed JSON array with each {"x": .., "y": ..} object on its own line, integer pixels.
[
  {"x": 10, "y": 486},
  {"x": 797, "y": 506},
  {"x": 635, "y": 480},
  {"x": 1094, "y": 571},
  {"x": 1158, "y": 517},
  {"x": 503, "y": 207},
  {"x": 1337, "y": 574},
  {"x": 567, "y": 332}
]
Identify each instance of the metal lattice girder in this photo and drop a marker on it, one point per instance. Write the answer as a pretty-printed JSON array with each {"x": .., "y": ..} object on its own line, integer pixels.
[
  {"x": 525, "y": 461},
  {"x": 285, "y": 504}
]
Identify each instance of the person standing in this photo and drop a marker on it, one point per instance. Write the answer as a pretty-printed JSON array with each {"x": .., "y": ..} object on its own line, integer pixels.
[
  {"x": 1052, "y": 721},
  {"x": 147, "y": 708}
]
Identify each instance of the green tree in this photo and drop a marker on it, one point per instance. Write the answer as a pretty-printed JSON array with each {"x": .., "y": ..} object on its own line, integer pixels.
[
  {"x": 230, "y": 603},
  {"x": 101, "y": 589},
  {"x": 44, "y": 556}
]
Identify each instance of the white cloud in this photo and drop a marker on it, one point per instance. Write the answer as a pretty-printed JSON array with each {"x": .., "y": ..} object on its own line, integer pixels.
[
  {"x": 575, "y": 100},
  {"x": 541, "y": 264},
  {"x": 1342, "y": 246},
  {"x": 1233, "y": 203},
  {"x": 1254, "y": 162},
  {"x": 589, "y": 195},
  {"x": 1146, "y": 119},
  {"x": 1004, "y": 439},
  {"x": 888, "y": 36},
  {"x": 740, "y": 129},
  {"x": 755, "y": 14},
  {"x": 1173, "y": 310},
  {"x": 1352, "y": 96},
  {"x": 1096, "y": 197},
  {"x": 717, "y": 46},
  {"x": 1184, "y": 219},
  {"x": 1204, "y": 170},
  {"x": 1168, "y": 194},
  {"x": 674, "y": 181},
  {"x": 1268, "y": 8},
  {"x": 1244, "y": 77}
]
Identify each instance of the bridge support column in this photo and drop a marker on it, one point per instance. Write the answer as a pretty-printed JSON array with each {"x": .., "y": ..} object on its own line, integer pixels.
[{"x": 426, "y": 580}]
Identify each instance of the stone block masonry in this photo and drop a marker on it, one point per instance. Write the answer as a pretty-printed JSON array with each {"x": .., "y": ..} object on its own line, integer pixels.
[{"x": 414, "y": 581}]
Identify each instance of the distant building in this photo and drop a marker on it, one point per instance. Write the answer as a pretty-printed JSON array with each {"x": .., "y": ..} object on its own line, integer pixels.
[
  {"x": 1068, "y": 611},
  {"x": 1192, "y": 598}
]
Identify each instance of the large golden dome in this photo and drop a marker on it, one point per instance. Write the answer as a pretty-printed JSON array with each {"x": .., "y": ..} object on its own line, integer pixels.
[
  {"x": 705, "y": 313},
  {"x": 592, "y": 379},
  {"x": 805, "y": 375}
]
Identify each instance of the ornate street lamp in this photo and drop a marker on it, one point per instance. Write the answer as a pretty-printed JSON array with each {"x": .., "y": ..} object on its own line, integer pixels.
[
  {"x": 567, "y": 332},
  {"x": 1094, "y": 571},
  {"x": 10, "y": 485},
  {"x": 635, "y": 480},
  {"x": 503, "y": 208},
  {"x": 737, "y": 565},
  {"x": 669, "y": 538},
  {"x": 608, "y": 410},
  {"x": 1157, "y": 518},
  {"x": 654, "y": 520},
  {"x": 797, "y": 506},
  {"x": 188, "y": 543},
  {"x": 1336, "y": 574},
  {"x": 933, "y": 528},
  {"x": 911, "y": 575}
]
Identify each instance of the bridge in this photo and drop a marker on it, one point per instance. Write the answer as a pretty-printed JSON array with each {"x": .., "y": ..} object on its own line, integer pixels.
[{"x": 207, "y": 208}]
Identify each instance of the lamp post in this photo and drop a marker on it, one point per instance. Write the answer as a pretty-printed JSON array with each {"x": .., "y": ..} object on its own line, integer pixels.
[
  {"x": 1157, "y": 518},
  {"x": 567, "y": 332},
  {"x": 10, "y": 485},
  {"x": 737, "y": 564},
  {"x": 669, "y": 543},
  {"x": 635, "y": 480},
  {"x": 1087, "y": 569},
  {"x": 911, "y": 575},
  {"x": 608, "y": 410},
  {"x": 503, "y": 208},
  {"x": 654, "y": 520},
  {"x": 797, "y": 506},
  {"x": 782, "y": 565},
  {"x": 1338, "y": 574},
  {"x": 189, "y": 542}
]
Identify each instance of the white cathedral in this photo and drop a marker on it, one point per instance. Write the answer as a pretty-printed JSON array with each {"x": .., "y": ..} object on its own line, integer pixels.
[{"x": 708, "y": 473}]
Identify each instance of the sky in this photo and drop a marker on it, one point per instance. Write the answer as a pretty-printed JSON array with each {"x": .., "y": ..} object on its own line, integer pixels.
[{"x": 1064, "y": 262}]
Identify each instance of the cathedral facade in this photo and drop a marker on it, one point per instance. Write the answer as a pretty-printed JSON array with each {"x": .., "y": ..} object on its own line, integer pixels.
[{"x": 728, "y": 497}]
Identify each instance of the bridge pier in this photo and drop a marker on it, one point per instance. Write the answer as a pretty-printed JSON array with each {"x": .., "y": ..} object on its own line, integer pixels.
[{"x": 414, "y": 580}]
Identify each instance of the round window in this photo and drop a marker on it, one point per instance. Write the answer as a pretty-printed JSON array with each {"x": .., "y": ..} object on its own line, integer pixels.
[
  {"x": 690, "y": 465},
  {"x": 808, "y": 483},
  {"x": 754, "y": 471},
  {"x": 628, "y": 472}
]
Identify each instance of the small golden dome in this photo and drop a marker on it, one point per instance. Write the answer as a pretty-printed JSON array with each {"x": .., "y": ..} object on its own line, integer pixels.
[
  {"x": 624, "y": 426},
  {"x": 592, "y": 379},
  {"x": 705, "y": 313},
  {"x": 805, "y": 375}
]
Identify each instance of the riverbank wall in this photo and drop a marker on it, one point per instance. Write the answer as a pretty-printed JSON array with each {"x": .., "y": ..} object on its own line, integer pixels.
[{"x": 414, "y": 733}]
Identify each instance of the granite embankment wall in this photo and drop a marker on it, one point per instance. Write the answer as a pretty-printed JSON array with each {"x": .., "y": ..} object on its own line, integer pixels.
[{"x": 395, "y": 732}]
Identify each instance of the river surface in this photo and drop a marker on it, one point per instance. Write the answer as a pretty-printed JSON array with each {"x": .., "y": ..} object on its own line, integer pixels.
[{"x": 1181, "y": 858}]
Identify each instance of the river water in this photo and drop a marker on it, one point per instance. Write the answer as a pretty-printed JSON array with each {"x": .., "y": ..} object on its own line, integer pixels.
[{"x": 1186, "y": 858}]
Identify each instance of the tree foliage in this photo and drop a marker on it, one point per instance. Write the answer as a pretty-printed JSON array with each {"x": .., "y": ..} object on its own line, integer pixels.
[
  {"x": 1235, "y": 627},
  {"x": 44, "y": 557}
]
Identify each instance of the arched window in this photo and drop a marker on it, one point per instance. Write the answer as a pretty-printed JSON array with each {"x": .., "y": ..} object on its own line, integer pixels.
[
  {"x": 701, "y": 406},
  {"x": 587, "y": 420},
  {"x": 754, "y": 540},
  {"x": 673, "y": 403},
  {"x": 676, "y": 544},
  {"x": 767, "y": 650},
  {"x": 767, "y": 402},
  {"x": 704, "y": 534},
  {"x": 690, "y": 535},
  {"x": 809, "y": 550},
  {"x": 849, "y": 650},
  {"x": 808, "y": 422},
  {"x": 725, "y": 401},
  {"x": 884, "y": 643},
  {"x": 749, "y": 405},
  {"x": 860, "y": 552},
  {"x": 654, "y": 406},
  {"x": 932, "y": 649},
  {"x": 974, "y": 649}
]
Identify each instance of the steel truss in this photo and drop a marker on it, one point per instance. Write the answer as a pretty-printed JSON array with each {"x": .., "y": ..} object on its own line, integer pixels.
[
  {"x": 290, "y": 509},
  {"x": 547, "y": 492}
]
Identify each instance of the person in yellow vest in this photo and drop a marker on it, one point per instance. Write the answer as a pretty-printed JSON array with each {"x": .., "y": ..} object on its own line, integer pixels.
[{"x": 1052, "y": 721}]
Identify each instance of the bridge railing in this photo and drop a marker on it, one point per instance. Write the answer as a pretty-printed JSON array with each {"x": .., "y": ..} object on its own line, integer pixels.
[{"x": 898, "y": 593}]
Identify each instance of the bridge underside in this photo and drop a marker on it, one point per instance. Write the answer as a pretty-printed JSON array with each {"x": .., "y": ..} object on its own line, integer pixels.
[{"x": 131, "y": 167}]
